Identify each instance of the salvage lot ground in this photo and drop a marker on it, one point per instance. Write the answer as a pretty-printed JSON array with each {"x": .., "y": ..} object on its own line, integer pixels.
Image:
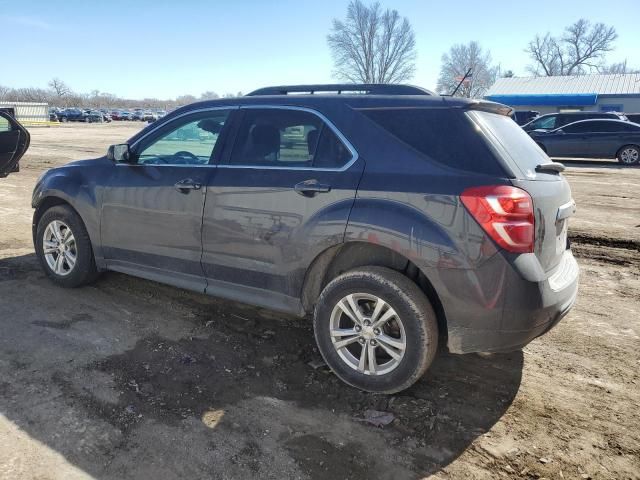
[{"x": 131, "y": 379}]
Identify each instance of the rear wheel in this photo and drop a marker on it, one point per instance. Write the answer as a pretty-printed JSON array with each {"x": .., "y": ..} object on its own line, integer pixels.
[
  {"x": 64, "y": 248},
  {"x": 629, "y": 155},
  {"x": 376, "y": 329}
]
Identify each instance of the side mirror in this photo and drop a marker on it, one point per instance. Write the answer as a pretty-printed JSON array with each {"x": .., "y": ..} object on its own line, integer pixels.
[{"x": 119, "y": 153}]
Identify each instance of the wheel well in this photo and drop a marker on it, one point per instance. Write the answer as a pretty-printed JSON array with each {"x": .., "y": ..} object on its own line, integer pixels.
[
  {"x": 45, "y": 205},
  {"x": 339, "y": 259}
]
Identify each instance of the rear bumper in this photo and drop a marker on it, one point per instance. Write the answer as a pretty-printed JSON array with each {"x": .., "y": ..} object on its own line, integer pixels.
[{"x": 529, "y": 309}]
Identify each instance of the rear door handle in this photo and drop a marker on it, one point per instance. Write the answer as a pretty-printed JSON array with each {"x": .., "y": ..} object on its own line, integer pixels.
[
  {"x": 310, "y": 188},
  {"x": 186, "y": 185}
]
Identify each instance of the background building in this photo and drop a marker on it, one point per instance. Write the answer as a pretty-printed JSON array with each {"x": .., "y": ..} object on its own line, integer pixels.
[
  {"x": 28, "y": 113},
  {"x": 618, "y": 92}
]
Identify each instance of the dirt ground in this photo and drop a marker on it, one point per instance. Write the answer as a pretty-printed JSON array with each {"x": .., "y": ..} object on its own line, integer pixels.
[{"x": 132, "y": 379}]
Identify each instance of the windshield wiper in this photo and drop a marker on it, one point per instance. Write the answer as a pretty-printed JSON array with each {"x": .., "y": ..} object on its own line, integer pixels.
[{"x": 553, "y": 167}]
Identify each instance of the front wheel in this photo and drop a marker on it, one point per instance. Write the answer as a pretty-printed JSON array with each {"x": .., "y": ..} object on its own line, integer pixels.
[
  {"x": 64, "y": 248},
  {"x": 629, "y": 155},
  {"x": 376, "y": 329}
]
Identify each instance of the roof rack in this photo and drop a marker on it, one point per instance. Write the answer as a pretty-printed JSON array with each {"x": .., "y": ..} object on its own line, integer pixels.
[{"x": 367, "y": 88}]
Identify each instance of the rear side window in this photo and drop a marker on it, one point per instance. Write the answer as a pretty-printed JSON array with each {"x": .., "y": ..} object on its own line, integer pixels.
[
  {"x": 510, "y": 140},
  {"x": 444, "y": 135},
  {"x": 596, "y": 126},
  {"x": 287, "y": 138}
]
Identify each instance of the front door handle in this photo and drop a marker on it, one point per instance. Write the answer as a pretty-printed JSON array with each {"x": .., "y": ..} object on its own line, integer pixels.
[
  {"x": 310, "y": 188},
  {"x": 186, "y": 185}
]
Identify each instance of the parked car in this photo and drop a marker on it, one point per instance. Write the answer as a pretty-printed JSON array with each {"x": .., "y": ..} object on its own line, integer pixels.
[
  {"x": 522, "y": 117},
  {"x": 633, "y": 117},
  {"x": 106, "y": 117},
  {"x": 94, "y": 116},
  {"x": 593, "y": 139},
  {"x": 160, "y": 113},
  {"x": 551, "y": 121},
  {"x": 396, "y": 218},
  {"x": 149, "y": 116},
  {"x": 115, "y": 114},
  {"x": 139, "y": 115},
  {"x": 125, "y": 116},
  {"x": 72, "y": 115},
  {"x": 14, "y": 142}
]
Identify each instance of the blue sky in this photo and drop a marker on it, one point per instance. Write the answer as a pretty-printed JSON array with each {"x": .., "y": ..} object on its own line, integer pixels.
[{"x": 142, "y": 48}]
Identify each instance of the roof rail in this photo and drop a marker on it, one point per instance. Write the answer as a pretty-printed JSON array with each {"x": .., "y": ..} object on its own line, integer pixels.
[{"x": 367, "y": 88}]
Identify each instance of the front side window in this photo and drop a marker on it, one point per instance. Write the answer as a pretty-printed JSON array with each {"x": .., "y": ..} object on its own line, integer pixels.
[
  {"x": 189, "y": 141},
  {"x": 547, "y": 123},
  {"x": 287, "y": 138}
]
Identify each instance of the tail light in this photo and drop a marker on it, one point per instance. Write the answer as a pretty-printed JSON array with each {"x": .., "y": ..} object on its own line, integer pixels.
[{"x": 505, "y": 213}]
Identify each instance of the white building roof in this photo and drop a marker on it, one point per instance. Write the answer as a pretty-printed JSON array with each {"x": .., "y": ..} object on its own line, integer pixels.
[{"x": 610, "y": 84}]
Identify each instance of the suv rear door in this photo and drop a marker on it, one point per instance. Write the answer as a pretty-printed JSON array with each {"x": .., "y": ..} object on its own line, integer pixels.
[
  {"x": 281, "y": 194},
  {"x": 14, "y": 142}
]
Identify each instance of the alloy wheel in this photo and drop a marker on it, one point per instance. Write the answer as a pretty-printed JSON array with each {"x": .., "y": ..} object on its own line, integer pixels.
[
  {"x": 367, "y": 334},
  {"x": 59, "y": 248},
  {"x": 629, "y": 155}
]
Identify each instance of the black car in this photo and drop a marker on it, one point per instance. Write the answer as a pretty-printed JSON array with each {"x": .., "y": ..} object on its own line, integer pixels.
[
  {"x": 551, "y": 121},
  {"x": 593, "y": 139},
  {"x": 14, "y": 142},
  {"x": 394, "y": 217}
]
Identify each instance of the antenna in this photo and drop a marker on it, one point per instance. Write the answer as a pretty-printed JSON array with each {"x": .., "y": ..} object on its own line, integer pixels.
[{"x": 466, "y": 75}]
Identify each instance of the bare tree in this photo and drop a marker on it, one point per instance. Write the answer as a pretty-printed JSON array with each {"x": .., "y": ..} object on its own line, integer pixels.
[
  {"x": 4, "y": 92},
  {"x": 209, "y": 95},
  {"x": 372, "y": 46},
  {"x": 59, "y": 87},
  {"x": 619, "y": 68},
  {"x": 581, "y": 49},
  {"x": 458, "y": 61}
]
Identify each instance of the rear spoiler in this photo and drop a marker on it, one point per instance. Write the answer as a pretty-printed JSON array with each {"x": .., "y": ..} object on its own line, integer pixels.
[{"x": 491, "y": 107}]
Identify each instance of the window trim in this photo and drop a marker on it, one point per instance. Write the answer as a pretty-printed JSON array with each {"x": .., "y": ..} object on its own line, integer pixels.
[{"x": 325, "y": 120}]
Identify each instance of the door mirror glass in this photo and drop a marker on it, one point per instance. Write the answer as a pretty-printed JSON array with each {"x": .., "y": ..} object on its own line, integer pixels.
[{"x": 119, "y": 153}]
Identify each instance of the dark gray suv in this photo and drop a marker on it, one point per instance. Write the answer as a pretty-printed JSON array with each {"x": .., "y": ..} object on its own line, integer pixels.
[{"x": 395, "y": 217}]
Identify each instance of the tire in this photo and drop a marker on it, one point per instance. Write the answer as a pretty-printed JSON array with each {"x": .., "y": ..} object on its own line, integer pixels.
[
  {"x": 64, "y": 119},
  {"x": 414, "y": 325},
  {"x": 84, "y": 270},
  {"x": 629, "y": 155}
]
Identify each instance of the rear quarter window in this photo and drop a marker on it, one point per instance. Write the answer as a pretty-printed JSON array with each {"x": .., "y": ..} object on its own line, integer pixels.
[
  {"x": 511, "y": 141},
  {"x": 446, "y": 136}
]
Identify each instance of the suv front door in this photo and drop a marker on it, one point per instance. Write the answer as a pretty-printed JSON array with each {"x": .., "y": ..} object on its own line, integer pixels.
[
  {"x": 152, "y": 206},
  {"x": 14, "y": 142},
  {"x": 280, "y": 196}
]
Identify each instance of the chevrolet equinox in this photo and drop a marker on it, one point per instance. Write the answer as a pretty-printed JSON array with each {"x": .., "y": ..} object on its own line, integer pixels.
[{"x": 395, "y": 217}]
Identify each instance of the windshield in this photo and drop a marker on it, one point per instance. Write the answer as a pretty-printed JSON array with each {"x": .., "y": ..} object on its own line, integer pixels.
[{"x": 511, "y": 142}]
